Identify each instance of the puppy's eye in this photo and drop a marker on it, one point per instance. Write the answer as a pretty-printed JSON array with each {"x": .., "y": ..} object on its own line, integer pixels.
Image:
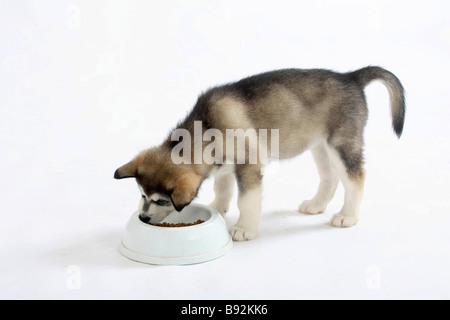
[{"x": 162, "y": 202}]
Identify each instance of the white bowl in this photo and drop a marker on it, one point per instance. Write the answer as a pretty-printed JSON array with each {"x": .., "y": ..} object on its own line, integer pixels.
[{"x": 177, "y": 245}]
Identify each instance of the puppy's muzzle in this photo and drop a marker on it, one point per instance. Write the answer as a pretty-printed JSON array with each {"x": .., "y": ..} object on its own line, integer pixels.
[{"x": 144, "y": 218}]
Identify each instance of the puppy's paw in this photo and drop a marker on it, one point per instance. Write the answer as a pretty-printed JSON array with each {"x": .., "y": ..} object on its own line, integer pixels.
[
  {"x": 242, "y": 234},
  {"x": 220, "y": 206},
  {"x": 311, "y": 207},
  {"x": 341, "y": 220}
]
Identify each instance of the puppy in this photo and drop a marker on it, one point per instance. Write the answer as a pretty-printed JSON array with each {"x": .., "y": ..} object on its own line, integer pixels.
[{"x": 320, "y": 110}]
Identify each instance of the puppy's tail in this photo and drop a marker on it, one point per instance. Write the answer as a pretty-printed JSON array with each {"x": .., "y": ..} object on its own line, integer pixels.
[{"x": 396, "y": 92}]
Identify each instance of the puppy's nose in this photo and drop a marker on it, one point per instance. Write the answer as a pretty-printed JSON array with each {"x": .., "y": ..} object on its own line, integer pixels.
[{"x": 144, "y": 218}]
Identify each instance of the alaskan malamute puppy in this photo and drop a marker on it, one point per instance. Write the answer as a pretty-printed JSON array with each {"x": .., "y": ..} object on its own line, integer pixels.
[{"x": 320, "y": 110}]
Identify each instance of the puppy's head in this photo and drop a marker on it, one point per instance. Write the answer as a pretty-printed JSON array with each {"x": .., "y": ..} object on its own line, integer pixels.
[{"x": 164, "y": 186}]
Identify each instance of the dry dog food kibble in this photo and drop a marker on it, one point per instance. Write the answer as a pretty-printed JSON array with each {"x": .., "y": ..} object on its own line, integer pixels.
[{"x": 176, "y": 225}]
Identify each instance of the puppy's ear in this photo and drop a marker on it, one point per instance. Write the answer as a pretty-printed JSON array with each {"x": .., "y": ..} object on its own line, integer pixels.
[
  {"x": 128, "y": 170},
  {"x": 185, "y": 190}
]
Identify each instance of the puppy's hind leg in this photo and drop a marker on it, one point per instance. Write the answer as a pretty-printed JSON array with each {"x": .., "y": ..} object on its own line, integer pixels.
[
  {"x": 329, "y": 180},
  {"x": 223, "y": 190},
  {"x": 349, "y": 166}
]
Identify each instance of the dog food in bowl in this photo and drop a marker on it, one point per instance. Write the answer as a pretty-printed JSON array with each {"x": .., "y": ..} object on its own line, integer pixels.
[{"x": 177, "y": 225}]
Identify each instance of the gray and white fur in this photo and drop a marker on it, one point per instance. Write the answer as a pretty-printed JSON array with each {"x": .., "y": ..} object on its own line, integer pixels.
[{"x": 316, "y": 109}]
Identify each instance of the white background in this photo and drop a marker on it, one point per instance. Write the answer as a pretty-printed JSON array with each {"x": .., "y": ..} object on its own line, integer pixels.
[{"x": 86, "y": 85}]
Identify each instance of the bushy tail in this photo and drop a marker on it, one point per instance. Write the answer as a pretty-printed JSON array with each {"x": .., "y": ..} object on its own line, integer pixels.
[{"x": 396, "y": 92}]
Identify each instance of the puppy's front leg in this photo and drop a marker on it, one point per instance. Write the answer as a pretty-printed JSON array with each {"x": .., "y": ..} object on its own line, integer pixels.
[
  {"x": 249, "y": 202},
  {"x": 223, "y": 190}
]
